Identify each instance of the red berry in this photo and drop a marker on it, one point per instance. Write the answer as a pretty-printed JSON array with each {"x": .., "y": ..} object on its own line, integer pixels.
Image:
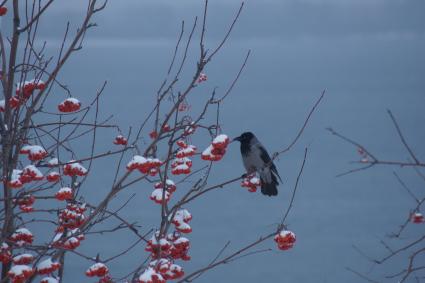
[
  {"x": 417, "y": 218},
  {"x": 3, "y": 11},
  {"x": 166, "y": 128},
  {"x": 153, "y": 135}
]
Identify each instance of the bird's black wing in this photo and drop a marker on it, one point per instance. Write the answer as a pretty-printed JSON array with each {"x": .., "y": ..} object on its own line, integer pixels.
[{"x": 267, "y": 160}]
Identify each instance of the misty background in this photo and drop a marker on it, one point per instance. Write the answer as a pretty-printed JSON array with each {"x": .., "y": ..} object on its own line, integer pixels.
[{"x": 368, "y": 54}]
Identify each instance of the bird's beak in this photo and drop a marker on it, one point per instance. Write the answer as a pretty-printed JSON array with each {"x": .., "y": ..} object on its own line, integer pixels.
[{"x": 237, "y": 139}]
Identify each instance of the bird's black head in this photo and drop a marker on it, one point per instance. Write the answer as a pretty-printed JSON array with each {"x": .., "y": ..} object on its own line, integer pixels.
[{"x": 245, "y": 137}]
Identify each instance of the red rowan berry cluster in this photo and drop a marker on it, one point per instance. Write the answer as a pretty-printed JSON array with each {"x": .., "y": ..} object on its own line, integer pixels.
[
  {"x": 25, "y": 202},
  {"x": 5, "y": 254},
  {"x": 417, "y": 218},
  {"x": 98, "y": 269},
  {"x": 73, "y": 168},
  {"x": 34, "y": 152},
  {"x": 64, "y": 193},
  {"x": 23, "y": 91},
  {"x": 47, "y": 266},
  {"x": 285, "y": 240},
  {"x": 158, "y": 195},
  {"x": 251, "y": 182},
  {"x": 20, "y": 273},
  {"x": 120, "y": 140},
  {"x": 72, "y": 216},
  {"x": 70, "y": 104},
  {"x": 23, "y": 259},
  {"x": 22, "y": 236},
  {"x": 144, "y": 165},
  {"x": 216, "y": 150}
]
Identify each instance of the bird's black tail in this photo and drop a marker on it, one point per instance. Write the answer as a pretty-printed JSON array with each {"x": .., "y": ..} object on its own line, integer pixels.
[{"x": 270, "y": 188}]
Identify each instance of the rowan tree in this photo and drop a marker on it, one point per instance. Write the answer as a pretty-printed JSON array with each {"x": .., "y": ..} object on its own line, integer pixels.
[
  {"x": 405, "y": 242},
  {"x": 44, "y": 168}
]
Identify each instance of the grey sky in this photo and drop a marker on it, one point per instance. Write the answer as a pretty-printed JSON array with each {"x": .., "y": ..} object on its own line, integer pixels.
[{"x": 260, "y": 19}]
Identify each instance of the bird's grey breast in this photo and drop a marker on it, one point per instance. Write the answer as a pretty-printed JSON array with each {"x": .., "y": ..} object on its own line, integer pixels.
[{"x": 252, "y": 158}]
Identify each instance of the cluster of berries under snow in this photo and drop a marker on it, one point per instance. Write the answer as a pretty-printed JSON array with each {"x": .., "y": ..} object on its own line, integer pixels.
[
  {"x": 74, "y": 168},
  {"x": 98, "y": 269},
  {"x": 69, "y": 105},
  {"x": 26, "y": 202},
  {"x": 23, "y": 91},
  {"x": 27, "y": 175},
  {"x": 120, "y": 140},
  {"x": 20, "y": 273},
  {"x": 22, "y": 236},
  {"x": 69, "y": 240},
  {"x": 144, "y": 165},
  {"x": 159, "y": 194},
  {"x": 285, "y": 240},
  {"x": 23, "y": 259},
  {"x": 164, "y": 251},
  {"x": 417, "y": 218},
  {"x": 216, "y": 150},
  {"x": 64, "y": 193},
  {"x": 47, "y": 266},
  {"x": 72, "y": 216},
  {"x": 34, "y": 152},
  {"x": 202, "y": 78},
  {"x": 181, "y": 221},
  {"x": 251, "y": 182},
  {"x": 181, "y": 165}
]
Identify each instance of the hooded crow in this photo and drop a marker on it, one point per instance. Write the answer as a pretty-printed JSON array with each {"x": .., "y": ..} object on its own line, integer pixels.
[{"x": 256, "y": 159}]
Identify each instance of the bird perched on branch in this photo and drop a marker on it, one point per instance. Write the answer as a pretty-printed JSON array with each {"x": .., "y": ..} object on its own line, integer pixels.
[{"x": 256, "y": 159}]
